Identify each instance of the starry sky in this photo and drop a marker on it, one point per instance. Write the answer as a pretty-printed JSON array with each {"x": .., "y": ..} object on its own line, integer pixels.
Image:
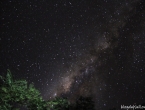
[{"x": 77, "y": 47}]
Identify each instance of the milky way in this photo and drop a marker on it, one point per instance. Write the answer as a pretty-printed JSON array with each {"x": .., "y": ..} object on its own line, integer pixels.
[
  {"x": 90, "y": 74},
  {"x": 71, "y": 48}
]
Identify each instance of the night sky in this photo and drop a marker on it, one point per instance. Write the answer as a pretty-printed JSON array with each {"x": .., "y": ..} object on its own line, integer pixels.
[{"x": 77, "y": 47}]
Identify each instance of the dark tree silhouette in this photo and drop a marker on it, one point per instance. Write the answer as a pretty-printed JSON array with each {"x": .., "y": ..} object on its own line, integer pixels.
[
  {"x": 85, "y": 103},
  {"x": 15, "y": 94},
  {"x": 59, "y": 104}
]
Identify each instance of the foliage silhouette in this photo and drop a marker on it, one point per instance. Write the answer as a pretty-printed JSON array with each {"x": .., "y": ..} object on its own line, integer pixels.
[
  {"x": 85, "y": 103},
  {"x": 59, "y": 104},
  {"x": 17, "y": 93}
]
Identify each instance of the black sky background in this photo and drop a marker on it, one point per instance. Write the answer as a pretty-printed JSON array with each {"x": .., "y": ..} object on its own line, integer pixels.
[{"x": 71, "y": 48}]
